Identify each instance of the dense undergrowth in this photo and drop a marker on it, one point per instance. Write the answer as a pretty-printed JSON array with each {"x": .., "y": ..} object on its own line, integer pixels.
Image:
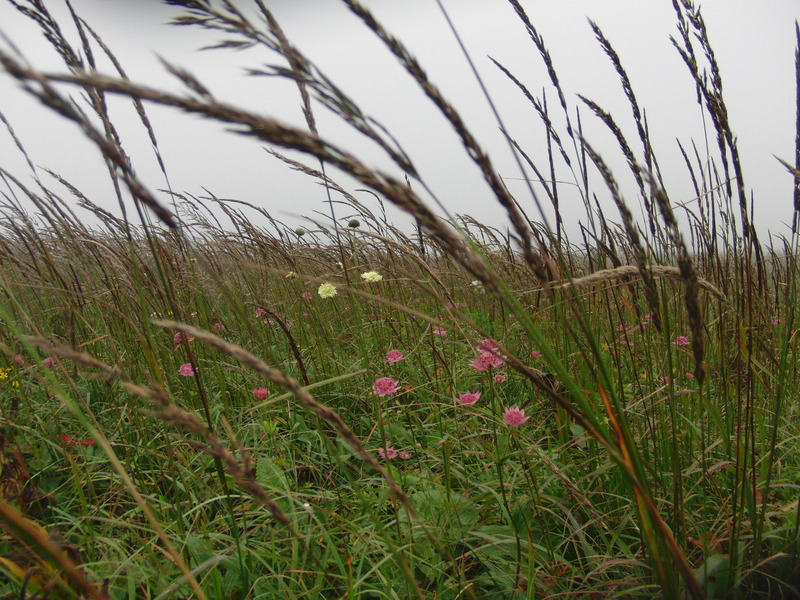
[{"x": 252, "y": 411}]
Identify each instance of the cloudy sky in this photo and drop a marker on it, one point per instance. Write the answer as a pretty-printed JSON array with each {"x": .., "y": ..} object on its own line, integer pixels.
[{"x": 754, "y": 45}]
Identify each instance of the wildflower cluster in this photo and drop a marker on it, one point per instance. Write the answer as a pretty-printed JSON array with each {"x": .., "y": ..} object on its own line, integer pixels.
[
  {"x": 327, "y": 290},
  {"x": 389, "y": 453},
  {"x": 469, "y": 398},
  {"x": 5, "y": 373},
  {"x": 514, "y": 417},
  {"x": 181, "y": 336},
  {"x": 68, "y": 440},
  {"x": 488, "y": 356},
  {"x": 393, "y": 356},
  {"x": 371, "y": 276},
  {"x": 384, "y": 386}
]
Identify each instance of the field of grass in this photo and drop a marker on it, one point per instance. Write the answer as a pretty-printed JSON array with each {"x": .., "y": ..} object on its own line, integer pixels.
[{"x": 351, "y": 410}]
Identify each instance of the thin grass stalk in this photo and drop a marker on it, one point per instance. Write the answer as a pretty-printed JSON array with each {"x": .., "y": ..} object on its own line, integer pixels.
[{"x": 796, "y": 214}]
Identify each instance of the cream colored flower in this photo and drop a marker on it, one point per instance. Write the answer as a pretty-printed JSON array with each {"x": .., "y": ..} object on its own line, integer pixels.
[
  {"x": 327, "y": 290},
  {"x": 371, "y": 276}
]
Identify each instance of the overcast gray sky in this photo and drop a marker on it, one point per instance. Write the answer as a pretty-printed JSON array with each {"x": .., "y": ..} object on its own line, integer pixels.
[{"x": 754, "y": 44}]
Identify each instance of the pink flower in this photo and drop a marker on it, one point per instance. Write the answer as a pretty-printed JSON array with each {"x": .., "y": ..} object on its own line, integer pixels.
[
  {"x": 440, "y": 331},
  {"x": 620, "y": 327},
  {"x": 389, "y": 453},
  {"x": 49, "y": 362},
  {"x": 681, "y": 340},
  {"x": 179, "y": 336},
  {"x": 485, "y": 361},
  {"x": 469, "y": 398},
  {"x": 218, "y": 327},
  {"x": 260, "y": 393},
  {"x": 514, "y": 417},
  {"x": 18, "y": 360},
  {"x": 384, "y": 386},
  {"x": 307, "y": 295},
  {"x": 186, "y": 370},
  {"x": 488, "y": 345},
  {"x": 405, "y": 455},
  {"x": 499, "y": 378},
  {"x": 393, "y": 356},
  {"x": 536, "y": 354},
  {"x": 665, "y": 379},
  {"x": 260, "y": 312},
  {"x": 690, "y": 375},
  {"x": 480, "y": 364}
]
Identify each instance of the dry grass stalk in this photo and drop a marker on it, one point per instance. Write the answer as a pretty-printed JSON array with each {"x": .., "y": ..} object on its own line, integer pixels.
[{"x": 632, "y": 270}]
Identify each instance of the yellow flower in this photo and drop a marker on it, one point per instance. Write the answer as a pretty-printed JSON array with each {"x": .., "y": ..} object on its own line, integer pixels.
[
  {"x": 327, "y": 290},
  {"x": 371, "y": 276}
]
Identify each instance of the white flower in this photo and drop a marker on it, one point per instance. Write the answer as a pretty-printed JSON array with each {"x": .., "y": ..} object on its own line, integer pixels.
[
  {"x": 327, "y": 290},
  {"x": 371, "y": 276}
]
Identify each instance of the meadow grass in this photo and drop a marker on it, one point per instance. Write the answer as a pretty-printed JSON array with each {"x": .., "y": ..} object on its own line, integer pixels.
[{"x": 256, "y": 411}]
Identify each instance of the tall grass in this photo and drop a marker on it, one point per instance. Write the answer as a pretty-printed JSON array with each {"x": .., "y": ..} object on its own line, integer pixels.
[{"x": 188, "y": 409}]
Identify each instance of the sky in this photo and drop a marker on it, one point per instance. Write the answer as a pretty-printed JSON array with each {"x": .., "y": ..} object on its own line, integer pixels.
[{"x": 754, "y": 45}]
